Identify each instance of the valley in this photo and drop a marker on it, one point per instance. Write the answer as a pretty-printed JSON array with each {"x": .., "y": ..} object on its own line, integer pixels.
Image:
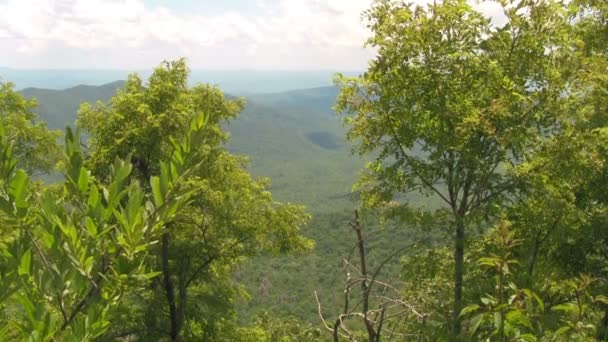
[{"x": 295, "y": 140}]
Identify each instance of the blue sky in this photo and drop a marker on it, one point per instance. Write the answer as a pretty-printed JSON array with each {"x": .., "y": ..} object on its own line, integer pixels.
[{"x": 211, "y": 34}]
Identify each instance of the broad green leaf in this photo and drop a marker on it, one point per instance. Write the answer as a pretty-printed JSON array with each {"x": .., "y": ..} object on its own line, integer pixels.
[
  {"x": 562, "y": 330},
  {"x": 498, "y": 320},
  {"x": 487, "y": 300},
  {"x": 93, "y": 200},
  {"x": 83, "y": 180},
  {"x": 539, "y": 301},
  {"x": 18, "y": 188},
  {"x": 469, "y": 309},
  {"x": 156, "y": 191},
  {"x": 91, "y": 227},
  {"x": 517, "y": 317},
  {"x": 475, "y": 322},
  {"x": 602, "y": 299},
  {"x": 528, "y": 338},
  {"x": 569, "y": 308},
  {"x": 25, "y": 263}
]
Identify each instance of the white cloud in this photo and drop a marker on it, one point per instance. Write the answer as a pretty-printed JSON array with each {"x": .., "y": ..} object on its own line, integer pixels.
[{"x": 300, "y": 34}]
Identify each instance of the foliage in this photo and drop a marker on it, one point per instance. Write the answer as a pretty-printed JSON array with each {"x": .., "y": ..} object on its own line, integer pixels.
[
  {"x": 489, "y": 163},
  {"x": 231, "y": 216},
  {"x": 274, "y": 135},
  {"x": 508, "y": 313},
  {"x": 76, "y": 249},
  {"x": 35, "y": 146},
  {"x": 469, "y": 97}
]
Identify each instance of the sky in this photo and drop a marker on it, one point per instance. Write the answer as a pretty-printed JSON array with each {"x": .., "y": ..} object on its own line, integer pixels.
[{"x": 211, "y": 34}]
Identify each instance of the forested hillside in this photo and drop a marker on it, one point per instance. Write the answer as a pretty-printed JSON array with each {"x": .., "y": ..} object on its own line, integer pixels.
[
  {"x": 454, "y": 191},
  {"x": 295, "y": 140},
  {"x": 58, "y": 108}
]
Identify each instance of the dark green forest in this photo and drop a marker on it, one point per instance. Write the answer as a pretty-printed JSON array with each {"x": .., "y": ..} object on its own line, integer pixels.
[{"x": 454, "y": 191}]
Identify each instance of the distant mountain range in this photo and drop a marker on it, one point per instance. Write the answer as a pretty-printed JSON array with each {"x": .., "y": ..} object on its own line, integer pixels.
[
  {"x": 292, "y": 137},
  {"x": 58, "y": 108},
  {"x": 232, "y": 81}
]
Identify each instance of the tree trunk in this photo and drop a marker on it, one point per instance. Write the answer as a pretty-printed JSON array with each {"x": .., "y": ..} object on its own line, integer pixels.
[
  {"x": 174, "y": 332},
  {"x": 458, "y": 275}
]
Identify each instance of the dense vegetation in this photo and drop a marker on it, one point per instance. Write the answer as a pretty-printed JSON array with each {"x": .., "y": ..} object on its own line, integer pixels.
[{"x": 482, "y": 214}]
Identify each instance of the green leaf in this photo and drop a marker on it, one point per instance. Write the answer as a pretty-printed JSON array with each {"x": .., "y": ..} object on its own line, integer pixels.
[
  {"x": 475, "y": 322},
  {"x": 528, "y": 337},
  {"x": 4, "y": 333},
  {"x": 539, "y": 301},
  {"x": 497, "y": 320},
  {"x": 123, "y": 170},
  {"x": 487, "y": 300},
  {"x": 28, "y": 306},
  {"x": 469, "y": 309},
  {"x": 83, "y": 180},
  {"x": 164, "y": 179},
  {"x": 490, "y": 262},
  {"x": 569, "y": 308},
  {"x": 122, "y": 220},
  {"x": 601, "y": 299},
  {"x": 25, "y": 263},
  {"x": 156, "y": 191},
  {"x": 18, "y": 188},
  {"x": 562, "y": 330},
  {"x": 93, "y": 200},
  {"x": 517, "y": 317},
  {"x": 91, "y": 227}
]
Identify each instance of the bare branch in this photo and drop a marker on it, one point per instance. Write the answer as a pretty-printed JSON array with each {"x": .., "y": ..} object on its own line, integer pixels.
[{"x": 373, "y": 317}]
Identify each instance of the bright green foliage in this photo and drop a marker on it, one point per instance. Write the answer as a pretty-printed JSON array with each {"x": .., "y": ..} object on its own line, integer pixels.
[
  {"x": 562, "y": 219},
  {"x": 35, "y": 147},
  {"x": 231, "y": 216},
  {"x": 76, "y": 249},
  {"x": 501, "y": 128},
  {"x": 141, "y": 120},
  {"x": 507, "y": 313},
  {"x": 451, "y": 102},
  {"x": 279, "y": 329},
  {"x": 577, "y": 316}
]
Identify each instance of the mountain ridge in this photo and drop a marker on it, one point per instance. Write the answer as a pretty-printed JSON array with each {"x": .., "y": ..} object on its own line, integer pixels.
[
  {"x": 232, "y": 81},
  {"x": 289, "y": 137}
]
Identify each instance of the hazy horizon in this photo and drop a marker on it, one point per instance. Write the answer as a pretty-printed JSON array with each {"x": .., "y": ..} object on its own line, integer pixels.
[{"x": 244, "y": 81}]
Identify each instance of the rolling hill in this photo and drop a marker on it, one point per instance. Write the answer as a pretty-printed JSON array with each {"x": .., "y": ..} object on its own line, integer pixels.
[
  {"x": 290, "y": 137},
  {"x": 58, "y": 108}
]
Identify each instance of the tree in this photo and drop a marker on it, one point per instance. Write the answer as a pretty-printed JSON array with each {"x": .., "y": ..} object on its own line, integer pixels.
[
  {"x": 451, "y": 103},
  {"x": 35, "y": 146},
  {"x": 564, "y": 212},
  {"x": 231, "y": 216},
  {"x": 74, "y": 250}
]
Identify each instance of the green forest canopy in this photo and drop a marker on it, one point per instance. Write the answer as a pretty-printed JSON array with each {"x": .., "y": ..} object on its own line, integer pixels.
[{"x": 488, "y": 148}]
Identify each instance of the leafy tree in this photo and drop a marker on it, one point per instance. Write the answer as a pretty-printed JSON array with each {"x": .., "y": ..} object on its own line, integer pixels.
[
  {"x": 563, "y": 213},
  {"x": 231, "y": 216},
  {"x": 75, "y": 250},
  {"x": 35, "y": 146},
  {"x": 451, "y": 102}
]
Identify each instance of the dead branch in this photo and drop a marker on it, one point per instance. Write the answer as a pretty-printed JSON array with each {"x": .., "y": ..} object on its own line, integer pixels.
[{"x": 376, "y": 311}]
